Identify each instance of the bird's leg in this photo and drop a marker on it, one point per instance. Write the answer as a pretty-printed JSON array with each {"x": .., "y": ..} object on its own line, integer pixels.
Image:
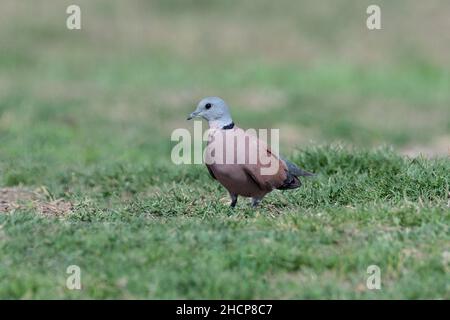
[
  {"x": 234, "y": 198},
  {"x": 255, "y": 202}
]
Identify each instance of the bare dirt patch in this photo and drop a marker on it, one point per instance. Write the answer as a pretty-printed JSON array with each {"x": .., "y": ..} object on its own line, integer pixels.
[{"x": 16, "y": 198}]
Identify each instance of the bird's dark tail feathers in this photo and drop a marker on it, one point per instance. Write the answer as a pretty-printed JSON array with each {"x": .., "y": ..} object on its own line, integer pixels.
[{"x": 292, "y": 181}]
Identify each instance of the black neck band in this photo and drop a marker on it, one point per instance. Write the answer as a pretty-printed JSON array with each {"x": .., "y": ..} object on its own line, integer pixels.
[{"x": 228, "y": 126}]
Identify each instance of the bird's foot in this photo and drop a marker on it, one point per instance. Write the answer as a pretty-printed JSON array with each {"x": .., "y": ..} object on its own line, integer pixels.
[
  {"x": 255, "y": 202},
  {"x": 234, "y": 198}
]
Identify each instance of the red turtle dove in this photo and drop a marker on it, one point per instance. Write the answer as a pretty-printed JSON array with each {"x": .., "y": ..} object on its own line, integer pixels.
[{"x": 241, "y": 162}]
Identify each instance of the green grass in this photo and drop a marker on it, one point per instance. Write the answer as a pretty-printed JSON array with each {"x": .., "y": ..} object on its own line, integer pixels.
[
  {"x": 86, "y": 117},
  {"x": 363, "y": 208}
]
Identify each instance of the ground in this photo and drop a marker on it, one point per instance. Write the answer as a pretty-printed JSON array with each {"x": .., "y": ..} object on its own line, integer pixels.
[{"x": 86, "y": 177}]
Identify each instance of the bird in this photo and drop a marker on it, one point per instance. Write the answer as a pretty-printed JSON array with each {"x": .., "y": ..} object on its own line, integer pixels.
[{"x": 242, "y": 178}]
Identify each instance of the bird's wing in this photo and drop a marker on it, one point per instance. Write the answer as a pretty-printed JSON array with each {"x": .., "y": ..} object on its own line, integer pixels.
[{"x": 255, "y": 171}]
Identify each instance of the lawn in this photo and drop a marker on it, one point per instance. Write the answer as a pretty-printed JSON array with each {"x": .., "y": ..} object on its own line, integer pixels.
[{"x": 86, "y": 177}]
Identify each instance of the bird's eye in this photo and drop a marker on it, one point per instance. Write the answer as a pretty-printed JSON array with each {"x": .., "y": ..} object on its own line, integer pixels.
[{"x": 208, "y": 106}]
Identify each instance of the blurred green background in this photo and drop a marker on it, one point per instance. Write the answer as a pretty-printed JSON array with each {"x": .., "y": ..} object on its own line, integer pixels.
[
  {"x": 86, "y": 117},
  {"x": 311, "y": 69}
]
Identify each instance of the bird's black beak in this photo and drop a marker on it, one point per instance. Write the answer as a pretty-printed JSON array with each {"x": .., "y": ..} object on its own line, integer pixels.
[{"x": 192, "y": 115}]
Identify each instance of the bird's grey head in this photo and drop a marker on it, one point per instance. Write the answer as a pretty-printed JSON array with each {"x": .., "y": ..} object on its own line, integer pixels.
[{"x": 214, "y": 110}]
